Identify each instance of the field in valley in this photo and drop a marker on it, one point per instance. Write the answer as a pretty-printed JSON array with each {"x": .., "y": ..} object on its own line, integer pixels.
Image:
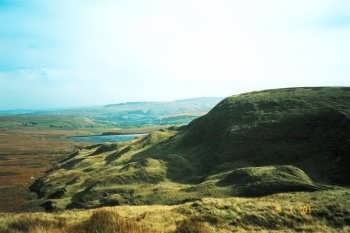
[{"x": 25, "y": 154}]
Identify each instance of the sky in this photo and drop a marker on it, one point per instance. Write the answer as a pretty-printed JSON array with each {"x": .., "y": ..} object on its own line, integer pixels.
[{"x": 72, "y": 53}]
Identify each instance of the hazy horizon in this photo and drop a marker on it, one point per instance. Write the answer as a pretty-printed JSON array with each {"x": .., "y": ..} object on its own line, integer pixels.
[
  {"x": 64, "y": 54},
  {"x": 105, "y": 104}
]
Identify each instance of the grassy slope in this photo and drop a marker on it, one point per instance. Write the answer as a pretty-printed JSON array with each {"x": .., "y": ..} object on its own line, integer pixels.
[
  {"x": 304, "y": 127},
  {"x": 326, "y": 211}
]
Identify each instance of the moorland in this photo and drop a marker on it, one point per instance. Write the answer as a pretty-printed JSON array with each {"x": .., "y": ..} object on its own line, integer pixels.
[{"x": 266, "y": 161}]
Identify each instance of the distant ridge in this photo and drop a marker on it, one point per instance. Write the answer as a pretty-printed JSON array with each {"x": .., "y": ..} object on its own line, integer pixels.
[
  {"x": 130, "y": 103},
  {"x": 120, "y": 115},
  {"x": 197, "y": 99}
]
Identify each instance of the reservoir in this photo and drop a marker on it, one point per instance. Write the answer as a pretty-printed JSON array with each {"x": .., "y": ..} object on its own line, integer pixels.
[{"x": 106, "y": 138}]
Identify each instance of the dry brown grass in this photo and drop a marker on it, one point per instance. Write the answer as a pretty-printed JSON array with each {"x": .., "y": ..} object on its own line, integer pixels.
[
  {"x": 105, "y": 221},
  {"x": 101, "y": 221},
  {"x": 193, "y": 225},
  {"x": 24, "y": 156},
  {"x": 278, "y": 213},
  {"x": 36, "y": 224}
]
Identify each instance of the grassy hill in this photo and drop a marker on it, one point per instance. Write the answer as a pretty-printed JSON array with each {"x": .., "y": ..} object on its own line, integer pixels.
[
  {"x": 252, "y": 144},
  {"x": 307, "y": 127}
]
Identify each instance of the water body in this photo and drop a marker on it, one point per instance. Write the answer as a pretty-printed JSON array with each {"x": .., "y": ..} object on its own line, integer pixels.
[{"x": 106, "y": 138}]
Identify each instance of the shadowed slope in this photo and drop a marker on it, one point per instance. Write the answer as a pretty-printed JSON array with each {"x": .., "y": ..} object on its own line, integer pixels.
[{"x": 307, "y": 127}]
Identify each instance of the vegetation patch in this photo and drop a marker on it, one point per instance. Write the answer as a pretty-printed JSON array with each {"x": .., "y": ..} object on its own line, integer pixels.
[
  {"x": 257, "y": 181},
  {"x": 193, "y": 225}
]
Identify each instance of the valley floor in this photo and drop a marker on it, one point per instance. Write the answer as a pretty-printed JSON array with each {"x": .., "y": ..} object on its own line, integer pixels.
[
  {"x": 25, "y": 154},
  {"x": 321, "y": 211}
]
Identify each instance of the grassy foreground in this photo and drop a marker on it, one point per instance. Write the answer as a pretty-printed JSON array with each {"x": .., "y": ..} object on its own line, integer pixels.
[{"x": 323, "y": 211}]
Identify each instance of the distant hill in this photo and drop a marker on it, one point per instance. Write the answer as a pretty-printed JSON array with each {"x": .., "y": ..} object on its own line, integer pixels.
[
  {"x": 132, "y": 114},
  {"x": 184, "y": 103},
  {"x": 253, "y": 144},
  {"x": 122, "y": 115}
]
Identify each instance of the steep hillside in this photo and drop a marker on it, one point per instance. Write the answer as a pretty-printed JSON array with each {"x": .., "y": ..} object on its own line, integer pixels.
[
  {"x": 253, "y": 144},
  {"x": 307, "y": 127}
]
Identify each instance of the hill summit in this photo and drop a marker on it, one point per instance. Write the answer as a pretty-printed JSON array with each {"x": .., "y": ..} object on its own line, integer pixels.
[
  {"x": 253, "y": 144},
  {"x": 307, "y": 127}
]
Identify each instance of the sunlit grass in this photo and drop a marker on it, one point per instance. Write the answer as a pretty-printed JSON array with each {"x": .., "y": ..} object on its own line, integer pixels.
[{"x": 322, "y": 211}]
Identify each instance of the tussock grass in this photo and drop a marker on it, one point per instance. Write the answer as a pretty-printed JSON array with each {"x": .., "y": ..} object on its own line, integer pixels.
[
  {"x": 105, "y": 221},
  {"x": 30, "y": 224},
  {"x": 193, "y": 225},
  {"x": 320, "y": 211},
  {"x": 100, "y": 221}
]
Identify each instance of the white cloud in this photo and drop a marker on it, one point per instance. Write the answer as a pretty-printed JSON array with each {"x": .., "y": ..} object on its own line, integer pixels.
[{"x": 128, "y": 50}]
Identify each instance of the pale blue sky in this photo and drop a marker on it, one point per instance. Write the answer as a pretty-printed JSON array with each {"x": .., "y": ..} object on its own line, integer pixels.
[{"x": 83, "y": 52}]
